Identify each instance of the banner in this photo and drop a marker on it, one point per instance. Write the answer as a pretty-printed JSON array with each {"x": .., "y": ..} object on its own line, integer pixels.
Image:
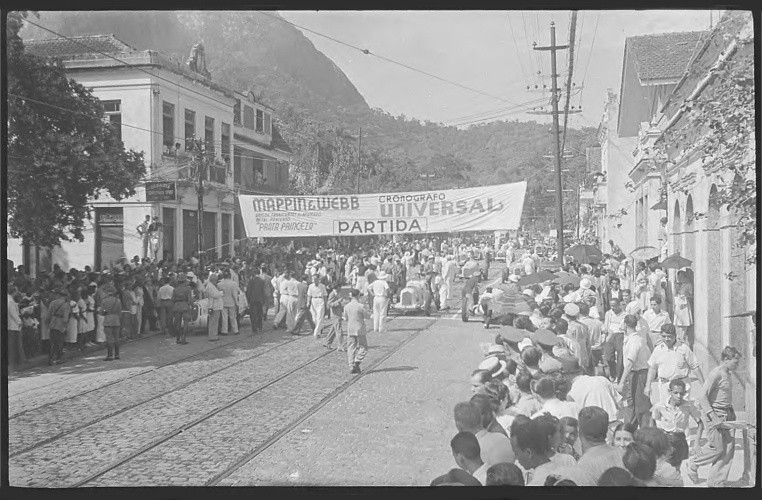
[{"x": 486, "y": 208}]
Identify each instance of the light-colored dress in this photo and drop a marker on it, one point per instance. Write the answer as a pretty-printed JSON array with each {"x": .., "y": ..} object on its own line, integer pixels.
[
  {"x": 683, "y": 315},
  {"x": 72, "y": 329},
  {"x": 44, "y": 328},
  {"x": 82, "y": 322}
]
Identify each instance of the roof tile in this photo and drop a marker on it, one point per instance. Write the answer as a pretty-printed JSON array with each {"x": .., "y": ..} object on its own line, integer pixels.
[
  {"x": 663, "y": 55},
  {"x": 76, "y": 45}
]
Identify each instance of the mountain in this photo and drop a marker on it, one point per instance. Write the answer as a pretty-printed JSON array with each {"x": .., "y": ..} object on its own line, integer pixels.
[{"x": 320, "y": 112}]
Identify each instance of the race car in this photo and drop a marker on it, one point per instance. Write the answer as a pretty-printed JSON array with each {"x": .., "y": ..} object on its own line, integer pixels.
[
  {"x": 412, "y": 297},
  {"x": 199, "y": 314}
]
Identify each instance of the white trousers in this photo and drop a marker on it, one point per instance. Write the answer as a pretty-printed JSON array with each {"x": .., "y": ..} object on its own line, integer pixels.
[
  {"x": 317, "y": 309},
  {"x": 380, "y": 305},
  {"x": 445, "y": 290},
  {"x": 282, "y": 310}
]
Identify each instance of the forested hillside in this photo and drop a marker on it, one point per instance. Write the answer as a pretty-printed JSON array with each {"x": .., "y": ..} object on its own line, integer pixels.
[{"x": 320, "y": 112}]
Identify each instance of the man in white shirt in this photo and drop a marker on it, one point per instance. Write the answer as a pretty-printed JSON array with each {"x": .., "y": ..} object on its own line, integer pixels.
[
  {"x": 612, "y": 348},
  {"x": 317, "y": 295},
  {"x": 230, "y": 293},
  {"x": 165, "y": 305},
  {"x": 16, "y": 355},
  {"x": 643, "y": 329},
  {"x": 287, "y": 303},
  {"x": 467, "y": 454},
  {"x": 633, "y": 383},
  {"x": 380, "y": 290},
  {"x": 671, "y": 360},
  {"x": 656, "y": 317},
  {"x": 449, "y": 271}
]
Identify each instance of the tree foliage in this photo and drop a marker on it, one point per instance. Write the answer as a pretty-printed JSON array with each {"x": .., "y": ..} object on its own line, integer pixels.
[
  {"x": 719, "y": 126},
  {"x": 61, "y": 154}
]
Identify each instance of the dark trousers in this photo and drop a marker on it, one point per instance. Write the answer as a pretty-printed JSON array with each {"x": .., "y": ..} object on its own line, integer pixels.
[
  {"x": 638, "y": 410},
  {"x": 179, "y": 322},
  {"x": 301, "y": 315},
  {"x": 149, "y": 318},
  {"x": 464, "y": 303},
  {"x": 56, "y": 345},
  {"x": 256, "y": 313},
  {"x": 613, "y": 352},
  {"x": 679, "y": 451},
  {"x": 15, "y": 348}
]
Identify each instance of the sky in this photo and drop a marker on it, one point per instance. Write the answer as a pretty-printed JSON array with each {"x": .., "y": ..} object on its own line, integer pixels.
[{"x": 487, "y": 51}]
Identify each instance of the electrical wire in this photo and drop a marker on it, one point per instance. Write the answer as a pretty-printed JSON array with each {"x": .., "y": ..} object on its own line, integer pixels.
[
  {"x": 589, "y": 55},
  {"x": 516, "y": 47},
  {"x": 530, "y": 52},
  {"x": 392, "y": 61}
]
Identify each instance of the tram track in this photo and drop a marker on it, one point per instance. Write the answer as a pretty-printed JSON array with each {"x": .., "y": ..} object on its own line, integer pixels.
[
  {"x": 215, "y": 480},
  {"x": 227, "y": 406},
  {"x": 69, "y": 381},
  {"x": 152, "y": 398}
]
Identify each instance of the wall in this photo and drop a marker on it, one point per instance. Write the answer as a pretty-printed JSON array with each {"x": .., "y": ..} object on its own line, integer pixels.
[{"x": 633, "y": 101}]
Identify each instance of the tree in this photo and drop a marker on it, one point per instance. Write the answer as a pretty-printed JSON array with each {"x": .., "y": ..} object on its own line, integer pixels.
[{"x": 61, "y": 152}]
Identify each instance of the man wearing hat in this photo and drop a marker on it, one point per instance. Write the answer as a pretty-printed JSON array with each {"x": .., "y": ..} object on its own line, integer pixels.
[
  {"x": 546, "y": 340},
  {"x": 511, "y": 338},
  {"x": 580, "y": 333}
]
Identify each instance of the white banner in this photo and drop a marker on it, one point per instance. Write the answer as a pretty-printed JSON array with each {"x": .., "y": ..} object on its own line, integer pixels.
[{"x": 486, "y": 208}]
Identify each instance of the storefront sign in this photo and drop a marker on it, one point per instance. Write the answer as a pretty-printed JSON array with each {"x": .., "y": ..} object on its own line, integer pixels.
[
  {"x": 471, "y": 209},
  {"x": 110, "y": 218},
  {"x": 161, "y": 191}
]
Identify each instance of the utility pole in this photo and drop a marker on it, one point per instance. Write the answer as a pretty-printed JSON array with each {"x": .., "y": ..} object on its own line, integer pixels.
[
  {"x": 200, "y": 192},
  {"x": 359, "y": 159},
  {"x": 553, "y": 48}
]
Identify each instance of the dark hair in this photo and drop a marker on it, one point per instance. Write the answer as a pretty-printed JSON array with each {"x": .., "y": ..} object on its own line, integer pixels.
[
  {"x": 631, "y": 320},
  {"x": 456, "y": 477},
  {"x": 524, "y": 323},
  {"x": 544, "y": 310},
  {"x": 677, "y": 383},
  {"x": 466, "y": 444},
  {"x": 584, "y": 309},
  {"x": 621, "y": 426},
  {"x": 484, "y": 375},
  {"x": 613, "y": 280},
  {"x": 496, "y": 392},
  {"x": 553, "y": 480},
  {"x": 656, "y": 299},
  {"x": 557, "y": 314},
  {"x": 654, "y": 438},
  {"x": 562, "y": 326},
  {"x": 640, "y": 460},
  {"x": 616, "y": 476},
  {"x": 548, "y": 425},
  {"x": 562, "y": 384},
  {"x": 524, "y": 380},
  {"x": 570, "y": 422},
  {"x": 730, "y": 352},
  {"x": 482, "y": 401},
  {"x": 545, "y": 388},
  {"x": 355, "y": 292},
  {"x": 468, "y": 415},
  {"x": 511, "y": 365},
  {"x": 504, "y": 474},
  {"x": 531, "y": 356},
  {"x": 532, "y": 437},
  {"x": 669, "y": 329},
  {"x": 593, "y": 423}
]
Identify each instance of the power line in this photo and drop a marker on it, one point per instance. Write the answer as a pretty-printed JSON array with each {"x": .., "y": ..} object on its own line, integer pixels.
[
  {"x": 587, "y": 64},
  {"x": 368, "y": 52},
  {"x": 516, "y": 46},
  {"x": 529, "y": 49},
  {"x": 572, "y": 30}
]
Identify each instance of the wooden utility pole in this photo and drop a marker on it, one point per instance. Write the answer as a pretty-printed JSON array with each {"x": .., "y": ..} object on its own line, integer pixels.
[
  {"x": 200, "y": 165},
  {"x": 553, "y": 48}
]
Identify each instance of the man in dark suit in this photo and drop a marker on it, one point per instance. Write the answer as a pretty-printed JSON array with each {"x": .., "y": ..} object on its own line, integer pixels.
[{"x": 255, "y": 294}]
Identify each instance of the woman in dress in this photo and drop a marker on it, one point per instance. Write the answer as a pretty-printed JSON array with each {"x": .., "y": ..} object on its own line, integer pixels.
[
  {"x": 72, "y": 329},
  {"x": 683, "y": 316},
  {"x": 640, "y": 293}
]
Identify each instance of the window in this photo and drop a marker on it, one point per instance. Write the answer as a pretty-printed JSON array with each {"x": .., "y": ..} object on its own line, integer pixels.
[
  {"x": 259, "y": 172},
  {"x": 168, "y": 114},
  {"x": 248, "y": 117},
  {"x": 113, "y": 111},
  {"x": 190, "y": 127},
  {"x": 226, "y": 143},
  {"x": 237, "y": 165},
  {"x": 260, "y": 120},
  {"x": 268, "y": 124},
  {"x": 209, "y": 133},
  {"x": 237, "y": 112}
]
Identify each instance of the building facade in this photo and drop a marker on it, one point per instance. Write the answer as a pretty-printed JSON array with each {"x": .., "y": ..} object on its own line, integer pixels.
[{"x": 165, "y": 109}]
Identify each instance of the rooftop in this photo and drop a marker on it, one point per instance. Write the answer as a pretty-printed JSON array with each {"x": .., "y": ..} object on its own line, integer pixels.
[
  {"x": 663, "y": 55},
  {"x": 76, "y": 45}
]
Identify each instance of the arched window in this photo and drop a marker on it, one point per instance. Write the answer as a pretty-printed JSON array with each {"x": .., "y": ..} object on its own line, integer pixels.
[
  {"x": 677, "y": 229},
  {"x": 690, "y": 235}
]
